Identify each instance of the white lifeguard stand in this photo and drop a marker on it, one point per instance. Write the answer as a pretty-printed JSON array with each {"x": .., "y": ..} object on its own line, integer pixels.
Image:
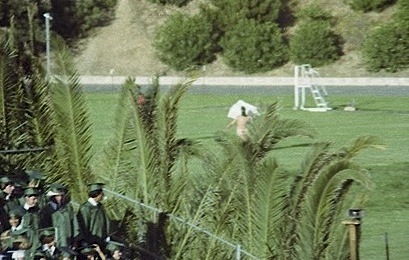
[{"x": 305, "y": 78}]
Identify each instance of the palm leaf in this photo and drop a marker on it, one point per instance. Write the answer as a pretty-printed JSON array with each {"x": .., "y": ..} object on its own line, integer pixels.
[{"x": 73, "y": 130}]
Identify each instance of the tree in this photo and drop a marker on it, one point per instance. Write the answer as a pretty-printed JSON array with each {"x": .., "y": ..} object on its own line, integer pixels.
[
  {"x": 254, "y": 47},
  {"x": 314, "y": 42},
  {"x": 386, "y": 46},
  {"x": 185, "y": 42}
]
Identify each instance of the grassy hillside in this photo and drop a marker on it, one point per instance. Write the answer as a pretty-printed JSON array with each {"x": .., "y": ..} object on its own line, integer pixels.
[{"x": 124, "y": 46}]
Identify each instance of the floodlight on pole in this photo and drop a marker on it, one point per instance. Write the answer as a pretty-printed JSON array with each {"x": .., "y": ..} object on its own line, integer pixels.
[{"x": 47, "y": 41}]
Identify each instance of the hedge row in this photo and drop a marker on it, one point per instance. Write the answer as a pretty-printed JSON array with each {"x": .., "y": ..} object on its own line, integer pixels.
[{"x": 246, "y": 41}]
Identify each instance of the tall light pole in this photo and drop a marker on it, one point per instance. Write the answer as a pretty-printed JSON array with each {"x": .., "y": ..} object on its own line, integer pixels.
[{"x": 47, "y": 40}]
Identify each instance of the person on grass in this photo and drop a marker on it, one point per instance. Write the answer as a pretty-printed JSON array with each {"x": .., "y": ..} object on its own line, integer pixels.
[{"x": 241, "y": 124}]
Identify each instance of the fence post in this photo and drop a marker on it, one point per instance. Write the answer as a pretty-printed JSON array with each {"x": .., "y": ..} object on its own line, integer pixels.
[{"x": 353, "y": 227}]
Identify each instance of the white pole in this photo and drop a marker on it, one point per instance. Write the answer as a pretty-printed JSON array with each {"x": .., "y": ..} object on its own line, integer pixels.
[
  {"x": 47, "y": 41},
  {"x": 296, "y": 91}
]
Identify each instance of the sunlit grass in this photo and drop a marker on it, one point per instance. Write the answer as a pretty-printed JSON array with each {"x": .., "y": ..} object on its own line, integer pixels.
[{"x": 202, "y": 116}]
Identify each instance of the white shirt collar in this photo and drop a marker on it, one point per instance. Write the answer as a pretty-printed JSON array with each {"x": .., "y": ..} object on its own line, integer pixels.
[{"x": 92, "y": 201}]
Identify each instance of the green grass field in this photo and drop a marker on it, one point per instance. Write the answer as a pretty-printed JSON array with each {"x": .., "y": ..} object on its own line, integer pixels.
[{"x": 386, "y": 211}]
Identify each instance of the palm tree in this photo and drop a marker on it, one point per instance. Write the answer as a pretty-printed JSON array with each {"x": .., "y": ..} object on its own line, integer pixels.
[{"x": 26, "y": 132}]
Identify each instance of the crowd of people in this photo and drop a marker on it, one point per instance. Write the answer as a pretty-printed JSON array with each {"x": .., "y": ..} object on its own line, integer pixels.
[{"x": 38, "y": 221}]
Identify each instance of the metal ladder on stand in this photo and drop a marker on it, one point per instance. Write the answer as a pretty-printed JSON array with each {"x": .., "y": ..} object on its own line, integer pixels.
[{"x": 318, "y": 95}]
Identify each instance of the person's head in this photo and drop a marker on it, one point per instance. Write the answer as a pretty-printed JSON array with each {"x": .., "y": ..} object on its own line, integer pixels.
[
  {"x": 95, "y": 191},
  {"x": 15, "y": 217},
  {"x": 31, "y": 196},
  {"x": 35, "y": 179},
  {"x": 89, "y": 252},
  {"x": 243, "y": 111},
  {"x": 114, "y": 250},
  {"x": 21, "y": 240},
  {"x": 7, "y": 185},
  {"x": 47, "y": 237},
  {"x": 57, "y": 193}
]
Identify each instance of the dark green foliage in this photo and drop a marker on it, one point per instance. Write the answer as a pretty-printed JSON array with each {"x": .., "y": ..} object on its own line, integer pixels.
[
  {"x": 77, "y": 18},
  {"x": 314, "y": 13},
  {"x": 402, "y": 12},
  {"x": 227, "y": 13},
  {"x": 24, "y": 112},
  {"x": 254, "y": 47},
  {"x": 387, "y": 48},
  {"x": 185, "y": 42},
  {"x": 370, "y": 5},
  {"x": 315, "y": 43},
  {"x": 179, "y": 3}
]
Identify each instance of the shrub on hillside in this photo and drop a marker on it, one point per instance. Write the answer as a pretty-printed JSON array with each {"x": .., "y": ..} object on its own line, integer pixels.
[
  {"x": 74, "y": 19},
  {"x": 254, "y": 47},
  {"x": 227, "y": 13},
  {"x": 402, "y": 12},
  {"x": 315, "y": 43},
  {"x": 387, "y": 48},
  {"x": 184, "y": 42},
  {"x": 370, "y": 5},
  {"x": 178, "y": 3}
]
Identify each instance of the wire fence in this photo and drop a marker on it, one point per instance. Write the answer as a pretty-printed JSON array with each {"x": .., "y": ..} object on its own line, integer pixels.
[{"x": 239, "y": 252}]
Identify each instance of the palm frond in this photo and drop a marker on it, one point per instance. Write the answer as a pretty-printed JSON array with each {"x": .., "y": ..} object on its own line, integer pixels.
[
  {"x": 73, "y": 129},
  {"x": 269, "y": 201},
  {"x": 117, "y": 165}
]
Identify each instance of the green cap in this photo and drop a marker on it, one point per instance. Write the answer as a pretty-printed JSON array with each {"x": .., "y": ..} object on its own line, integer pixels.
[
  {"x": 5, "y": 179},
  {"x": 112, "y": 246},
  {"x": 56, "y": 189},
  {"x": 88, "y": 250},
  {"x": 67, "y": 252},
  {"x": 31, "y": 192},
  {"x": 46, "y": 232},
  {"x": 96, "y": 186},
  {"x": 17, "y": 212}
]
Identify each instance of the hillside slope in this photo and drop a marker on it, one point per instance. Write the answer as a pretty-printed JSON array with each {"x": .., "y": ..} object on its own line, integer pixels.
[
  {"x": 121, "y": 46},
  {"x": 124, "y": 46}
]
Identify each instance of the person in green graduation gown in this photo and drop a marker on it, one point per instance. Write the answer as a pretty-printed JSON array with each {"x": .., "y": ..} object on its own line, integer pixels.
[
  {"x": 59, "y": 213},
  {"x": 93, "y": 221}
]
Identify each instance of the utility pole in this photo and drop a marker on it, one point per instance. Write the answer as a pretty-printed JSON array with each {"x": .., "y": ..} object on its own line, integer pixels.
[{"x": 47, "y": 40}]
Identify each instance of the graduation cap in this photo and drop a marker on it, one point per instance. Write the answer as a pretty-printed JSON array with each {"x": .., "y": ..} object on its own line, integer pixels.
[
  {"x": 6, "y": 180},
  {"x": 31, "y": 192},
  {"x": 112, "y": 246},
  {"x": 56, "y": 189},
  {"x": 17, "y": 212},
  {"x": 96, "y": 186},
  {"x": 67, "y": 252},
  {"x": 46, "y": 232},
  {"x": 89, "y": 250}
]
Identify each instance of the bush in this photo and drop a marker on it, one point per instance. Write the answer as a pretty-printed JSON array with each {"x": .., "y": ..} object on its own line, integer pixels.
[
  {"x": 315, "y": 43},
  {"x": 387, "y": 48},
  {"x": 184, "y": 42},
  {"x": 227, "y": 13},
  {"x": 370, "y": 5},
  {"x": 254, "y": 47},
  {"x": 178, "y": 3}
]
